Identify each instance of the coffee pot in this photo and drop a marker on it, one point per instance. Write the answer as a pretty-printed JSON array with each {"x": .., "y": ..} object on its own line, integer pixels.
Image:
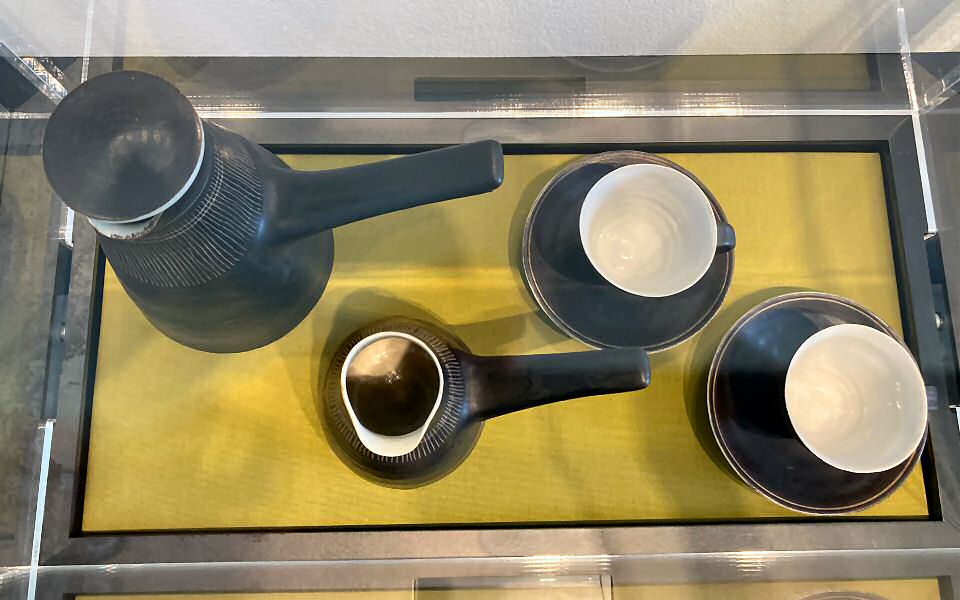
[
  {"x": 404, "y": 401},
  {"x": 221, "y": 245}
]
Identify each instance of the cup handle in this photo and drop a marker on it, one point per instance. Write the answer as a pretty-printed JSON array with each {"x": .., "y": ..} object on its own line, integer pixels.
[{"x": 726, "y": 237}]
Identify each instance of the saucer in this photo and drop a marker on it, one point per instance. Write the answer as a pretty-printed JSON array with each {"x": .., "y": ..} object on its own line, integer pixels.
[
  {"x": 583, "y": 304},
  {"x": 748, "y": 414}
]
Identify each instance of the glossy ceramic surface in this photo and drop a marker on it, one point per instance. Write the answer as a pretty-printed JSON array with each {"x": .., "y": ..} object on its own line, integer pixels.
[
  {"x": 578, "y": 300},
  {"x": 648, "y": 229},
  {"x": 748, "y": 415},
  {"x": 391, "y": 385},
  {"x": 856, "y": 398}
]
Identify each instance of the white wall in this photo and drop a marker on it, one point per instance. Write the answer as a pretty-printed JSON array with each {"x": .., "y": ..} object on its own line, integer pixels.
[{"x": 472, "y": 28}]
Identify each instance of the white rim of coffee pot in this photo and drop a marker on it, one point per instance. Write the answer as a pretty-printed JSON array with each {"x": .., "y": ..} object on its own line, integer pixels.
[
  {"x": 907, "y": 366},
  {"x": 594, "y": 200},
  {"x": 137, "y": 225},
  {"x": 389, "y": 445}
]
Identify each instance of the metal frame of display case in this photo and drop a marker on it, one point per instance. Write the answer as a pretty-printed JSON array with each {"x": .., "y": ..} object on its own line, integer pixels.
[
  {"x": 739, "y": 567},
  {"x": 490, "y": 86},
  {"x": 63, "y": 544}
]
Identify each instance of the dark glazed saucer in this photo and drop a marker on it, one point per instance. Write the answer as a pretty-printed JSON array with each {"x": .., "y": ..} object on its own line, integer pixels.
[
  {"x": 747, "y": 410},
  {"x": 583, "y": 304}
]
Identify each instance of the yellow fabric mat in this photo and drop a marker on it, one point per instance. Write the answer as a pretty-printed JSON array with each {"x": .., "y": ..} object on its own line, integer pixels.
[
  {"x": 915, "y": 589},
  {"x": 186, "y": 440}
]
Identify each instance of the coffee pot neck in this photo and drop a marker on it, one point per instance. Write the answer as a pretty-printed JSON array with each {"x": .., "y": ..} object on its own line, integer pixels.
[
  {"x": 123, "y": 147},
  {"x": 142, "y": 224}
]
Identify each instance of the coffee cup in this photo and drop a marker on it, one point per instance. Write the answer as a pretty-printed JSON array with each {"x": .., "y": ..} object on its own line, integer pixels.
[
  {"x": 856, "y": 398},
  {"x": 651, "y": 230}
]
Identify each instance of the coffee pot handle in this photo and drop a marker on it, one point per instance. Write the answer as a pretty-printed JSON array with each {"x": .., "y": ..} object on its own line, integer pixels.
[
  {"x": 313, "y": 201},
  {"x": 726, "y": 237},
  {"x": 499, "y": 385}
]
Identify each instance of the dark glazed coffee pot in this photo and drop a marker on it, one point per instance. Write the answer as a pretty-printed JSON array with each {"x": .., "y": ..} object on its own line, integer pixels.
[
  {"x": 221, "y": 245},
  {"x": 404, "y": 402}
]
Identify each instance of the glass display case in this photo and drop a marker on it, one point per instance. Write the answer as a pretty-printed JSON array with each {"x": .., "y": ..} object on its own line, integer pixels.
[{"x": 825, "y": 151}]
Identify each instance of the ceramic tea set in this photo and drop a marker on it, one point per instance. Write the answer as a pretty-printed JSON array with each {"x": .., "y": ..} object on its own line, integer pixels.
[{"x": 812, "y": 399}]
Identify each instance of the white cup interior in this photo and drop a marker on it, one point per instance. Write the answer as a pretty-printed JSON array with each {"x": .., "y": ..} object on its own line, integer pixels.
[
  {"x": 387, "y": 445},
  {"x": 856, "y": 398},
  {"x": 649, "y": 230}
]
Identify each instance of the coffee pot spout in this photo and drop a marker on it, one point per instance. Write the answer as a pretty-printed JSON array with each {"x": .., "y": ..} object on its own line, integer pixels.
[{"x": 310, "y": 202}]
